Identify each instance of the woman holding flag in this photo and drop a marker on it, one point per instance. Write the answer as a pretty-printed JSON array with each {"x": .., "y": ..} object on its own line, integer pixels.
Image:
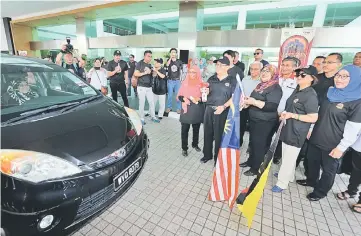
[
  {"x": 262, "y": 104},
  {"x": 192, "y": 112},
  {"x": 301, "y": 110}
]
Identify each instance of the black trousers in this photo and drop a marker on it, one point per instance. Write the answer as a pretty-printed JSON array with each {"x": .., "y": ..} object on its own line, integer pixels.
[
  {"x": 278, "y": 152},
  {"x": 129, "y": 90},
  {"x": 114, "y": 87},
  {"x": 244, "y": 117},
  {"x": 213, "y": 131},
  {"x": 355, "y": 178},
  {"x": 185, "y": 132},
  {"x": 317, "y": 159},
  {"x": 261, "y": 133}
]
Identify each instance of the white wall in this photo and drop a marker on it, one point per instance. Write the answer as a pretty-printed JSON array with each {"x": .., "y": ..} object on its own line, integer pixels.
[{"x": 4, "y": 43}]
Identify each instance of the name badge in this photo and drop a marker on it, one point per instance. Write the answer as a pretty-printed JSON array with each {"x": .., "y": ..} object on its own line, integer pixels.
[
  {"x": 339, "y": 106},
  {"x": 226, "y": 84},
  {"x": 296, "y": 100}
]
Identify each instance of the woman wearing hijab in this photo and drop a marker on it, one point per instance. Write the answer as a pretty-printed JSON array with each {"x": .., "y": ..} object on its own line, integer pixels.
[
  {"x": 192, "y": 112},
  {"x": 337, "y": 128},
  {"x": 300, "y": 112},
  {"x": 262, "y": 104}
]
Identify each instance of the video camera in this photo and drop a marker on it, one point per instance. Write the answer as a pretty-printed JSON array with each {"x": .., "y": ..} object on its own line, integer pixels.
[{"x": 68, "y": 47}]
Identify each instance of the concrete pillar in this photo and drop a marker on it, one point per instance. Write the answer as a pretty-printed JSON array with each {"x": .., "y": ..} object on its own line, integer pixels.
[
  {"x": 82, "y": 41},
  {"x": 320, "y": 15},
  {"x": 7, "y": 42},
  {"x": 139, "y": 27},
  {"x": 188, "y": 24},
  {"x": 242, "y": 18}
]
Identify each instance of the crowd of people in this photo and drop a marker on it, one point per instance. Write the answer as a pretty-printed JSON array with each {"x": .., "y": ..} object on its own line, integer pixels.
[{"x": 321, "y": 104}]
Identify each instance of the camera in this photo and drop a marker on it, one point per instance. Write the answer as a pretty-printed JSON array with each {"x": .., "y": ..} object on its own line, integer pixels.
[{"x": 68, "y": 47}]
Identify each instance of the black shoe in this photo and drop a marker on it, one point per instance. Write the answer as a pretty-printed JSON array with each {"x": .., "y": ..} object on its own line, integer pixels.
[
  {"x": 249, "y": 173},
  {"x": 197, "y": 148},
  {"x": 184, "y": 153},
  {"x": 146, "y": 115},
  {"x": 303, "y": 182},
  {"x": 205, "y": 160},
  {"x": 276, "y": 161},
  {"x": 159, "y": 118},
  {"x": 313, "y": 197},
  {"x": 244, "y": 164}
]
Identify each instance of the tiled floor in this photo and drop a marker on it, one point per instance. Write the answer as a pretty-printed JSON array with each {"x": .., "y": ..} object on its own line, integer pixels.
[{"x": 170, "y": 198}]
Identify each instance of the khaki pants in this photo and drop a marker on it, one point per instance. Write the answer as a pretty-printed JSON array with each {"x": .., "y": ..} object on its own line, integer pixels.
[{"x": 288, "y": 166}]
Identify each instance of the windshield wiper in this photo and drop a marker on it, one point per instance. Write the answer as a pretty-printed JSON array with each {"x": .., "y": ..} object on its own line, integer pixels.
[
  {"x": 36, "y": 112},
  {"x": 84, "y": 101}
]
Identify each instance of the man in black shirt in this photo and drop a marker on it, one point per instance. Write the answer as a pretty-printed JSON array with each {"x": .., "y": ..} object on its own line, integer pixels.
[
  {"x": 318, "y": 63},
  {"x": 237, "y": 62},
  {"x": 117, "y": 72},
  {"x": 233, "y": 71},
  {"x": 143, "y": 71},
  {"x": 221, "y": 88},
  {"x": 131, "y": 65},
  {"x": 325, "y": 80},
  {"x": 174, "y": 74},
  {"x": 258, "y": 56}
]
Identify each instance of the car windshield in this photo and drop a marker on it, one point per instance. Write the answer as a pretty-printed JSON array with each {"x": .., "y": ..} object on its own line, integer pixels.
[{"x": 27, "y": 85}]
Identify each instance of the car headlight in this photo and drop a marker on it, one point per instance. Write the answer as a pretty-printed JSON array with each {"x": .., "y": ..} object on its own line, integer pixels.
[
  {"x": 35, "y": 166},
  {"x": 134, "y": 117}
]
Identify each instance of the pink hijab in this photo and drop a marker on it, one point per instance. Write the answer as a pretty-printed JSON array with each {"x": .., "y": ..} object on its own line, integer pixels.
[{"x": 190, "y": 87}]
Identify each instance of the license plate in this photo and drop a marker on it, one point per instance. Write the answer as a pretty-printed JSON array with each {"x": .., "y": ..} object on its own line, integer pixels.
[{"x": 121, "y": 179}]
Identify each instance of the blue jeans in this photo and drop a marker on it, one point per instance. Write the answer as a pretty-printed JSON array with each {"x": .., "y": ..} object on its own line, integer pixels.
[{"x": 173, "y": 86}]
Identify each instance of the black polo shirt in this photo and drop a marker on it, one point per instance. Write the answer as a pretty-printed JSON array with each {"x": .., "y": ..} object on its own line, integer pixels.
[
  {"x": 117, "y": 78},
  {"x": 240, "y": 65},
  {"x": 131, "y": 68},
  {"x": 234, "y": 71},
  {"x": 220, "y": 91},
  {"x": 271, "y": 94},
  {"x": 174, "y": 69},
  {"x": 145, "y": 80},
  {"x": 332, "y": 117},
  {"x": 322, "y": 85},
  {"x": 300, "y": 102}
]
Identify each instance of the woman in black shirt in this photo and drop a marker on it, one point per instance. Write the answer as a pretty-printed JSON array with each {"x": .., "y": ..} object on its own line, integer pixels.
[
  {"x": 335, "y": 131},
  {"x": 263, "y": 104},
  {"x": 301, "y": 110}
]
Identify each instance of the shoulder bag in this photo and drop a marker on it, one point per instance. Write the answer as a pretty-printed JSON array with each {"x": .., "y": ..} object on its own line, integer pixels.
[{"x": 103, "y": 90}]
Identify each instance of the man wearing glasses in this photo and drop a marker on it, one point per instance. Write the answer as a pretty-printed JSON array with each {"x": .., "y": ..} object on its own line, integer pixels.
[
  {"x": 258, "y": 56},
  {"x": 331, "y": 65}
]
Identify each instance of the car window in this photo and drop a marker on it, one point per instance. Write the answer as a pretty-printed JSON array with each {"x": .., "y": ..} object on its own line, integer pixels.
[{"x": 26, "y": 87}]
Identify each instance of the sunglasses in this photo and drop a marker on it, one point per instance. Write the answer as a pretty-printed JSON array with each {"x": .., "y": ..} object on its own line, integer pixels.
[
  {"x": 256, "y": 53},
  {"x": 300, "y": 74}
]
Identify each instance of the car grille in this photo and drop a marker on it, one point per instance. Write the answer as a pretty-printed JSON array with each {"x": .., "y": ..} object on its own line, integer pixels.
[
  {"x": 94, "y": 202},
  {"x": 110, "y": 159}
]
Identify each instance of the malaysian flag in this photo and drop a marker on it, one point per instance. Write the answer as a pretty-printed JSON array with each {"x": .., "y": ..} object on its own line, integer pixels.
[{"x": 226, "y": 174}]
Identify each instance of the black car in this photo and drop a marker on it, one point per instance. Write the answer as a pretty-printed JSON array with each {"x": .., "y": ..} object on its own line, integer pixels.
[{"x": 67, "y": 151}]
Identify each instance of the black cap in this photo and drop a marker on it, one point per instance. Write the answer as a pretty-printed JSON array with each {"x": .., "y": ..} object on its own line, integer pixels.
[
  {"x": 223, "y": 60},
  {"x": 310, "y": 70},
  {"x": 117, "y": 53},
  {"x": 159, "y": 60}
]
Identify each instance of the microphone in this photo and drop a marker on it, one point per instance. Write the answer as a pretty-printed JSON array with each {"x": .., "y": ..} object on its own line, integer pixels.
[{"x": 204, "y": 85}]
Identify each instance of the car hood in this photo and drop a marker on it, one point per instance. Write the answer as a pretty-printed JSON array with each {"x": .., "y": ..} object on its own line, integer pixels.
[{"x": 83, "y": 135}]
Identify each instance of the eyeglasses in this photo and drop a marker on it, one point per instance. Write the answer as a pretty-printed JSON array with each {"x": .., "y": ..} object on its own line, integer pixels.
[
  {"x": 302, "y": 75},
  {"x": 329, "y": 62},
  {"x": 256, "y": 53},
  {"x": 342, "y": 77},
  {"x": 265, "y": 71}
]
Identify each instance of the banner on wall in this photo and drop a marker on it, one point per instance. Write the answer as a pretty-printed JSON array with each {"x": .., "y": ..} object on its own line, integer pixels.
[{"x": 296, "y": 43}]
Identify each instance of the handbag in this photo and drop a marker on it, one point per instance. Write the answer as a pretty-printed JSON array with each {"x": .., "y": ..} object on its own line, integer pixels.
[
  {"x": 103, "y": 90},
  {"x": 194, "y": 115}
]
